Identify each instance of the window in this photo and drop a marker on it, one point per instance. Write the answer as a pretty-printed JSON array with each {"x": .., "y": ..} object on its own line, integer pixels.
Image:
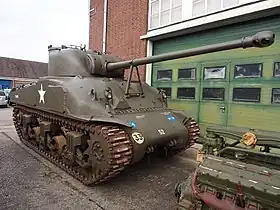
[
  {"x": 277, "y": 69},
  {"x": 248, "y": 71},
  {"x": 198, "y": 7},
  {"x": 214, "y": 72},
  {"x": 176, "y": 11},
  {"x": 164, "y": 75},
  {"x": 275, "y": 95},
  {"x": 2, "y": 93},
  {"x": 186, "y": 93},
  {"x": 213, "y": 5},
  {"x": 246, "y": 94},
  {"x": 164, "y": 12},
  {"x": 186, "y": 74},
  {"x": 213, "y": 94},
  {"x": 154, "y": 13},
  {"x": 167, "y": 91},
  {"x": 230, "y": 3},
  {"x": 203, "y": 7}
]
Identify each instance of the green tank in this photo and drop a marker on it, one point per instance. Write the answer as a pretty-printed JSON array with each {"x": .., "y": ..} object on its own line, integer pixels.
[{"x": 85, "y": 118}]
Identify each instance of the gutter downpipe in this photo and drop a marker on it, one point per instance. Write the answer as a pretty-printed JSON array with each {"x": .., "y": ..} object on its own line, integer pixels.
[{"x": 105, "y": 26}]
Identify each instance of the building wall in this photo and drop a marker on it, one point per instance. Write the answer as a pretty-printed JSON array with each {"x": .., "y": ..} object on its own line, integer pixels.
[
  {"x": 11, "y": 82},
  {"x": 126, "y": 22},
  {"x": 246, "y": 10},
  {"x": 195, "y": 13},
  {"x": 96, "y": 24},
  {"x": 230, "y": 89}
]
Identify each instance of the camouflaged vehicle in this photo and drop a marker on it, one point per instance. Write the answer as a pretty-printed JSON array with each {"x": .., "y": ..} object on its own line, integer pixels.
[
  {"x": 85, "y": 118},
  {"x": 239, "y": 170}
]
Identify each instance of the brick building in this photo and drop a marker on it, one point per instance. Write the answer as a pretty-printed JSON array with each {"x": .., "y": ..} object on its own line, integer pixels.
[
  {"x": 14, "y": 72},
  {"x": 123, "y": 29},
  {"x": 198, "y": 84}
]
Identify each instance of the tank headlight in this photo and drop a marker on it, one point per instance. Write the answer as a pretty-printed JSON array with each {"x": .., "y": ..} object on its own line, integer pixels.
[
  {"x": 108, "y": 93},
  {"x": 109, "y": 96}
]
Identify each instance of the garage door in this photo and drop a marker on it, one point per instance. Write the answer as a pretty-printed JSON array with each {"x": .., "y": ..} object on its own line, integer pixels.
[{"x": 238, "y": 88}]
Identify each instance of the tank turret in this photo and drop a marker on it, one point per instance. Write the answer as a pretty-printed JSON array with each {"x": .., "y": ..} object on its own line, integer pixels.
[{"x": 85, "y": 118}]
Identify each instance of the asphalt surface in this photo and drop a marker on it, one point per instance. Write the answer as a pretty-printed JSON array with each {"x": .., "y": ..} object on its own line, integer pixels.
[{"x": 28, "y": 181}]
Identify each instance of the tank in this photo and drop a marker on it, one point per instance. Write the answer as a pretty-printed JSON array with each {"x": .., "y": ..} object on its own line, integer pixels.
[
  {"x": 87, "y": 119},
  {"x": 239, "y": 170}
]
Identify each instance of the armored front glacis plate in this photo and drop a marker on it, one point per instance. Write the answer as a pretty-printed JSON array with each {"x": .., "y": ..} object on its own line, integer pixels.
[{"x": 85, "y": 118}]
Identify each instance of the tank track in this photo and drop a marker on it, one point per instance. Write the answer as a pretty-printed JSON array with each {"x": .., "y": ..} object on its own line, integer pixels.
[{"x": 117, "y": 140}]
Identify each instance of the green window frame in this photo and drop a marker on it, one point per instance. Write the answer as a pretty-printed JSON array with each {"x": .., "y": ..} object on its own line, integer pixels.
[
  {"x": 186, "y": 93},
  {"x": 164, "y": 75},
  {"x": 248, "y": 70},
  {"x": 275, "y": 96},
  {"x": 187, "y": 74},
  {"x": 240, "y": 94},
  {"x": 214, "y": 72},
  {"x": 276, "y": 69},
  {"x": 216, "y": 94}
]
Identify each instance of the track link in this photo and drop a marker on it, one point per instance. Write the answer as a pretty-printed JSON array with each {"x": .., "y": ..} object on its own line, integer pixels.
[
  {"x": 119, "y": 144},
  {"x": 193, "y": 134}
]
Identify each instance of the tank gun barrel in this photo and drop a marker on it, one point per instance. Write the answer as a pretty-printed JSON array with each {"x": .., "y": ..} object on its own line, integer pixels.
[{"x": 259, "y": 40}]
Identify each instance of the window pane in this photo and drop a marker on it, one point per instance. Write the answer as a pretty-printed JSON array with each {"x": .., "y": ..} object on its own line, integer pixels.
[
  {"x": 198, "y": 7},
  {"x": 155, "y": 8},
  {"x": 186, "y": 74},
  {"x": 277, "y": 69},
  {"x": 176, "y": 3},
  {"x": 176, "y": 14},
  {"x": 2, "y": 93},
  {"x": 213, "y": 94},
  {"x": 248, "y": 70},
  {"x": 165, "y": 5},
  {"x": 213, "y": 5},
  {"x": 247, "y": 94},
  {"x": 230, "y": 3},
  {"x": 164, "y": 17},
  {"x": 164, "y": 75},
  {"x": 166, "y": 90},
  {"x": 154, "y": 21},
  {"x": 215, "y": 72},
  {"x": 276, "y": 95},
  {"x": 186, "y": 93}
]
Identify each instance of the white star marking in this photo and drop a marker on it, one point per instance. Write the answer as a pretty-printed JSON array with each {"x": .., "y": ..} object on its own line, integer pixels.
[{"x": 42, "y": 94}]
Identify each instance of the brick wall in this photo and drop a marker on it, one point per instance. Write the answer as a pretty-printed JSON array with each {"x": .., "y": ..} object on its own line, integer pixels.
[
  {"x": 96, "y": 24},
  {"x": 126, "y": 22}
]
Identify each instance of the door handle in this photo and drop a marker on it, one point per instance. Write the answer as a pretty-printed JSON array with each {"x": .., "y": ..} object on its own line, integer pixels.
[{"x": 222, "y": 108}]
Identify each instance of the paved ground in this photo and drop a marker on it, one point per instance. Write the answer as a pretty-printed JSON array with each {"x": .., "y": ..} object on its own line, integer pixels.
[{"x": 30, "y": 182}]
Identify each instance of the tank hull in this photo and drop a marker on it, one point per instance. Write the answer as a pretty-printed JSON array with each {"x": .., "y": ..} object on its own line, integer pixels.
[{"x": 62, "y": 121}]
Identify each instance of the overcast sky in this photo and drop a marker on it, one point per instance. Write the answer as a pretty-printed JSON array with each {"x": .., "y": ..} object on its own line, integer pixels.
[{"x": 27, "y": 27}]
